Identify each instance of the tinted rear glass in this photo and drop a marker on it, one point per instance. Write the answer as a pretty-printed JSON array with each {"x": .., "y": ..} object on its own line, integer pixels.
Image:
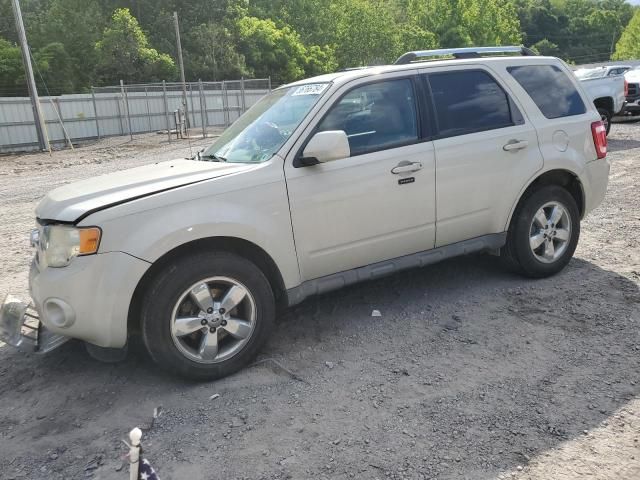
[
  {"x": 551, "y": 90},
  {"x": 469, "y": 101}
]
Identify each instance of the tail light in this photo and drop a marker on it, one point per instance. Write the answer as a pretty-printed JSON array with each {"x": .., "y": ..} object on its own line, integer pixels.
[
  {"x": 626, "y": 88},
  {"x": 599, "y": 133}
]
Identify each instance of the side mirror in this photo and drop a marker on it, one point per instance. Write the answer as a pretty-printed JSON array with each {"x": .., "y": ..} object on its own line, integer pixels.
[{"x": 325, "y": 147}]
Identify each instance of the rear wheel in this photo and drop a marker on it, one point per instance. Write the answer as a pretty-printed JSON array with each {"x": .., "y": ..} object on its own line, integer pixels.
[
  {"x": 206, "y": 316},
  {"x": 605, "y": 115},
  {"x": 544, "y": 232}
]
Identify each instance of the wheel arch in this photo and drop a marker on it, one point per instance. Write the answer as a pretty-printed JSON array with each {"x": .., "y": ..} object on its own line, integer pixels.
[
  {"x": 239, "y": 246},
  {"x": 606, "y": 103},
  {"x": 563, "y": 178}
]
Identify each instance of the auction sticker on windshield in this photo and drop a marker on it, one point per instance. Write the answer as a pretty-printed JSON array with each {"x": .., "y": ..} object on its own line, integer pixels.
[{"x": 311, "y": 89}]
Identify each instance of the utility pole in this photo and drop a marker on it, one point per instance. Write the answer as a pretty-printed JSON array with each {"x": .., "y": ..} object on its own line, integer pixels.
[
  {"x": 613, "y": 41},
  {"x": 31, "y": 83},
  {"x": 181, "y": 63}
]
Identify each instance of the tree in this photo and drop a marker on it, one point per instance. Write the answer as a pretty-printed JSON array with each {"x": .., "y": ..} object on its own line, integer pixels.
[
  {"x": 76, "y": 25},
  {"x": 545, "y": 47},
  {"x": 56, "y": 67},
  {"x": 212, "y": 53},
  {"x": 628, "y": 46},
  {"x": 461, "y": 23},
  {"x": 124, "y": 53},
  {"x": 314, "y": 20},
  {"x": 12, "y": 78},
  {"x": 584, "y": 31},
  {"x": 365, "y": 33},
  {"x": 279, "y": 52},
  {"x": 290, "y": 39},
  {"x": 413, "y": 37}
]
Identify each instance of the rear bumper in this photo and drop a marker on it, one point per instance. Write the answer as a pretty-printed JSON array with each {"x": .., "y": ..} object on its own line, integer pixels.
[
  {"x": 631, "y": 104},
  {"x": 595, "y": 179},
  {"x": 631, "y": 107}
]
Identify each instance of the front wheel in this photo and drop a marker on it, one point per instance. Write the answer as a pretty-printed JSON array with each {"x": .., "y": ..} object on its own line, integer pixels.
[
  {"x": 206, "y": 315},
  {"x": 544, "y": 232}
]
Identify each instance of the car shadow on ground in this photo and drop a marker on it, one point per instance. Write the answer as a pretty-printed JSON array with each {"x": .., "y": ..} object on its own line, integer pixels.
[
  {"x": 616, "y": 144},
  {"x": 469, "y": 371}
]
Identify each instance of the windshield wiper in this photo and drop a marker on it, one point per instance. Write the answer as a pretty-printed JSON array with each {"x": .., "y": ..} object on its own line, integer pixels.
[
  {"x": 213, "y": 156},
  {"x": 197, "y": 156}
]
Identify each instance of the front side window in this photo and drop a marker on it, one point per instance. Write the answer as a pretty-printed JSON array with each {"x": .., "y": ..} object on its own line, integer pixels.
[
  {"x": 551, "y": 90},
  {"x": 376, "y": 116},
  {"x": 258, "y": 134},
  {"x": 469, "y": 101}
]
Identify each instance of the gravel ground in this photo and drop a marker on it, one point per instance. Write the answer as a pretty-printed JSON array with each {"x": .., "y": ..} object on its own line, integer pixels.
[{"x": 470, "y": 372}]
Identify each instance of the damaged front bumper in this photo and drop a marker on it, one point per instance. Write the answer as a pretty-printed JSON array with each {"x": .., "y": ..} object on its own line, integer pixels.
[{"x": 21, "y": 327}]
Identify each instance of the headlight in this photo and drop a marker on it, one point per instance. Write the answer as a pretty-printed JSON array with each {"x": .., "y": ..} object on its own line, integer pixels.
[{"x": 61, "y": 243}]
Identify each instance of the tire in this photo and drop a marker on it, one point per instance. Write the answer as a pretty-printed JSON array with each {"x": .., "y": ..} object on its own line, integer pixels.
[
  {"x": 606, "y": 116},
  {"x": 526, "y": 230},
  {"x": 168, "y": 303}
]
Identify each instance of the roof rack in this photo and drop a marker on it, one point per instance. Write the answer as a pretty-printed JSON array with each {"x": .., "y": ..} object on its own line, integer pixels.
[{"x": 458, "y": 53}]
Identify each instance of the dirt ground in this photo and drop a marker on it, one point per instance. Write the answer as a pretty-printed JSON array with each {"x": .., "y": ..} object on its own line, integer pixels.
[{"x": 470, "y": 372}]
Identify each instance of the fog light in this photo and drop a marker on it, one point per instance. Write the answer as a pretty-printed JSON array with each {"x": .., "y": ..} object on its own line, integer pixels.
[{"x": 58, "y": 313}]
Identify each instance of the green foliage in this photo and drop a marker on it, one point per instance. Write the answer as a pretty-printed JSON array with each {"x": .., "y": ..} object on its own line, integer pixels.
[
  {"x": 210, "y": 53},
  {"x": 12, "y": 79},
  {"x": 77, "y": 25},
  {"x": 79, "y": 43},
  {"x": 365, "y": 33},
  {"x": 584, "y": 31},
  {"x": 54, "y": 69},
  {"x": 545, "y": 47},
  {"x": 123, "y": 53},
  {"x": 628, "y": 46},
  {"x": 279, "y": 52},
  {"x": 462, "y": 23},
  {"x": 314, "y": 20}
]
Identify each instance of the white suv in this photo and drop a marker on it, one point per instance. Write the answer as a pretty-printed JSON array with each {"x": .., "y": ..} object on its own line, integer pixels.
[{"x": 323, "y": 183}]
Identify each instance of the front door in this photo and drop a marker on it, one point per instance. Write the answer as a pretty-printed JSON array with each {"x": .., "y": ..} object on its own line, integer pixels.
[{"x": 363, "y": 209}]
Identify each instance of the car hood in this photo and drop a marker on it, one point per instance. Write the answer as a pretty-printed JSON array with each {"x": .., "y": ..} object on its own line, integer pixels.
[
  {"x": 633, "y": 76},
  {"x": 75, "y": 201}
]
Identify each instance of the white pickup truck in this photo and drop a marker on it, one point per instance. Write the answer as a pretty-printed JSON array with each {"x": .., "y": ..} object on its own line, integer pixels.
[{"x": 607, "y": 87}]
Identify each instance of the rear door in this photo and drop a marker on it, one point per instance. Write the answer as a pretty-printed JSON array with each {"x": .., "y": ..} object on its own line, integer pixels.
[{"x": 485, "y": 149}]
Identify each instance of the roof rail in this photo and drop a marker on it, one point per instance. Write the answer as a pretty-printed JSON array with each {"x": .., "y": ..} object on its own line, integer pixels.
[{"x": 469, "y": 52}]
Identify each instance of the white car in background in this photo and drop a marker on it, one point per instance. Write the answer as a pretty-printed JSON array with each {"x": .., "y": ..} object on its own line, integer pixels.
[
  {"x": 632, "y": 105},
  {"x": 607, "y": 88},
  {"x": 325, "y": 182}
]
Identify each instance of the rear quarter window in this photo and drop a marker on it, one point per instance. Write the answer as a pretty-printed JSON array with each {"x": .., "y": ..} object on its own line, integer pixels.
[{"x": 551, "y": 90}]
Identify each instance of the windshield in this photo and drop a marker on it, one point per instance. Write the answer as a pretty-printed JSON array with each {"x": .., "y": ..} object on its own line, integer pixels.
[{"x": 258, "y": 134}]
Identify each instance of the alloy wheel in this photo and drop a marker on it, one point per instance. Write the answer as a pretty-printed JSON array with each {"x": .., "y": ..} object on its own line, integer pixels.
[
  {"x": 213, "y": 320},
  {"x": 550, "y": 232}
]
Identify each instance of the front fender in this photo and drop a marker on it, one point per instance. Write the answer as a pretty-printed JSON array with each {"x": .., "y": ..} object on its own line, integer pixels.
[{"x": 259, "y": 213}]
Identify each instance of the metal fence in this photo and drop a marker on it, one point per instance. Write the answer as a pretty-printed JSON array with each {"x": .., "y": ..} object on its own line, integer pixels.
[{"x": 127, "y": 110}]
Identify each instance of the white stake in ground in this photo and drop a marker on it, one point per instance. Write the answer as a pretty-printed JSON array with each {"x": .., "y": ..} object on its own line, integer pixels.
[{"x": 134, "y": 453}]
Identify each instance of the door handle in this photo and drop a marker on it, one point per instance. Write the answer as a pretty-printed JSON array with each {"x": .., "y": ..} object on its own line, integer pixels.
[
  {"x": 514, "y": 145},
  {"x": 406, "y": 167}
]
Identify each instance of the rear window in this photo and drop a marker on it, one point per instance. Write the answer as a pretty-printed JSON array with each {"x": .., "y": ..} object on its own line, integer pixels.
[{"x": 551, "y": 90}]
